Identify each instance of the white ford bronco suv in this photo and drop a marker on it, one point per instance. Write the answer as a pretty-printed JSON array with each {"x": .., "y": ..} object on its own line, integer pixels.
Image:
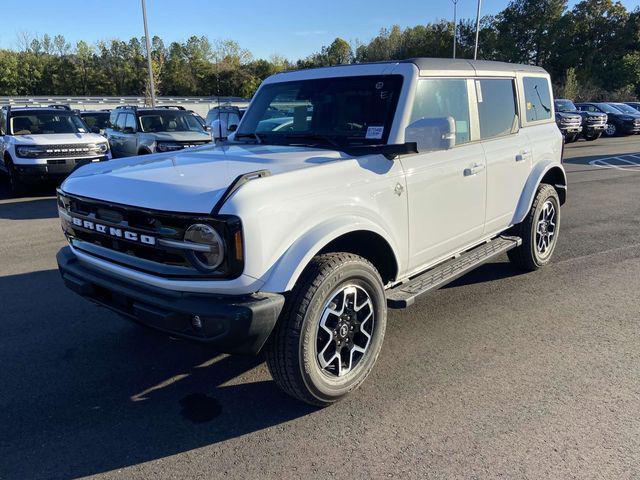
[
  {"x": 344, "y": 191},
  {"x": 39, "y": 143}
]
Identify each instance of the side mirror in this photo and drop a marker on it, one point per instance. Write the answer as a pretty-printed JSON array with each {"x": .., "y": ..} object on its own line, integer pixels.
[
  {"x": 432, "y": 133},
  {"x": 207, "y": 128},
  {"x": 232, "y": 128},
  {"x": 95, "y": 130},
  {"x": 128, "y": 130}
]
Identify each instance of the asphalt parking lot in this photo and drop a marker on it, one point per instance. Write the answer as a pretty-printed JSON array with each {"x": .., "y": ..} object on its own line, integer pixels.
[{"x": 500, "y": 375}]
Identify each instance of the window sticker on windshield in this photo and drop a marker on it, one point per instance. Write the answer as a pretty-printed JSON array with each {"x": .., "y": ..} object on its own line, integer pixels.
[{"x": 374, "y": 133}]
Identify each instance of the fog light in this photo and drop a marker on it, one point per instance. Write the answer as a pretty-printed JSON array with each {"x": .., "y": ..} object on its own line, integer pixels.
[{"x": 196, "y": 322}]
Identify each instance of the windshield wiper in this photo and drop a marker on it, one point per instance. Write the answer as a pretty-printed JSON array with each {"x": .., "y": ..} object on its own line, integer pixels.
[
  {"x": 314, "y": 136},
  {"x": 249, "y": 135}
]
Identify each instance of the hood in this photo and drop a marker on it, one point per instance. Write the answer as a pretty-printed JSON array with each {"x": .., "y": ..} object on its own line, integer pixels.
[
  {"x": 190, "y": 181},
  {"x": 59, "y": 138},
  {"x": 180, "y": 136}
]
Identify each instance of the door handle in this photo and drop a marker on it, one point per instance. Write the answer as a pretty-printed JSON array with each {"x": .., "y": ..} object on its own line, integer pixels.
[{"x": 473, "y": 170}]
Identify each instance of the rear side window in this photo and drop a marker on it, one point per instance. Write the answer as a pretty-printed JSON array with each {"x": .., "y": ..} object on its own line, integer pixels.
[
  {"x": 443, "y": 98},
  {"x": 496, "y": 107},
  {"x": 538, "y": 98}
]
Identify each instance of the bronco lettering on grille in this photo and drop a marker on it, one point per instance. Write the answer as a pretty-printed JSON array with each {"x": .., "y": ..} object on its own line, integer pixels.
[{"x": 114, "y": 232}]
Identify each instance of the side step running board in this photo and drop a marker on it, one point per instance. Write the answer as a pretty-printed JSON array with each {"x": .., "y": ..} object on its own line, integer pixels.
[{"x": 406, "y": 293}]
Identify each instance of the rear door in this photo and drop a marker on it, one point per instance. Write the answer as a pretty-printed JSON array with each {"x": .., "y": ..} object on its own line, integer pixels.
[{"x": 506, "y": 146}]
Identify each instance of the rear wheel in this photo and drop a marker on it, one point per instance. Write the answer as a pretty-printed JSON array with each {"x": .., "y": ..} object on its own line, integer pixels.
[
  {"x": 539, "y": 231},
  {"x": 330, "y": 331}
]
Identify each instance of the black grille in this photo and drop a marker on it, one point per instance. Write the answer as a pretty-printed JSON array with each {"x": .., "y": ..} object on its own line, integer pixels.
[
  {"x": 67, "y": 151},
  {"x": 160, "y": 225}
]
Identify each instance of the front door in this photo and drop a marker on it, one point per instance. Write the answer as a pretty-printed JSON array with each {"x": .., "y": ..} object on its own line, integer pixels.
[{"x": 446, "y": 189}]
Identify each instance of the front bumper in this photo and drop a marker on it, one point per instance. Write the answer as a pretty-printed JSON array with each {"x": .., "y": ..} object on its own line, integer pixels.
[
  {"x": 570, "y": 129},
  {"x": 230, "y": 324},
  {"x": 53, "y": 168},
  {"x": 630, "y": 127}
]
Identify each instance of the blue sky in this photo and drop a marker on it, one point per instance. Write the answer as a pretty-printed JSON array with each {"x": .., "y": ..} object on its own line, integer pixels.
[{"x": 292, "y": 28}]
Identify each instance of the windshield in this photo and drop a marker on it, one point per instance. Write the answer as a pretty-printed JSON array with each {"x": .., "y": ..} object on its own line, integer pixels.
[
  {"x": 99, "y": 120},
  {"x": 625, "y": 108},
  {"x": 335, "y": 111},
  {"x": 39, "y": 123},
  {"x": 565, "y": 106},
  {"x": 156, "y": 122},
  {"x": 607, "y": 108}
]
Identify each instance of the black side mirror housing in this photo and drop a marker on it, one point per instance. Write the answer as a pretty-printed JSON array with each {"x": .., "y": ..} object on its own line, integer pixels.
[
  {"x": 128, "y": 130},
  {"x": 232, "y": 128},
  {"x": 94, "y": 130}
]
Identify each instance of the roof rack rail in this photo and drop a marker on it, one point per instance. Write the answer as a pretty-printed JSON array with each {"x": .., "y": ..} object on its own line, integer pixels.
[
  {"x": 60, "y": 107},
  {"x": 177, "y": 107}
]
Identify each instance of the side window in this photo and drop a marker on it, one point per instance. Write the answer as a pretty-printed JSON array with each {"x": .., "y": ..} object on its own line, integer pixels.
[
  {"x": 3, "y": 121},
  {"x": 443, "y": 98},
  {"x": 234, "y": 119},
  {"x": 130, "y": 121},
  {"x": 538, "y": 98},
  {"x": 496, "y": 107},
  {"x": 119, "y": 125}
]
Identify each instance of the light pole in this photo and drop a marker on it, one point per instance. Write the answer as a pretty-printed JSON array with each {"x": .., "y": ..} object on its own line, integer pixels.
[
  {"x": 455, "y": 26},
  {"x": 152, "y": 86},
  {"x": 475, "y": 51}
]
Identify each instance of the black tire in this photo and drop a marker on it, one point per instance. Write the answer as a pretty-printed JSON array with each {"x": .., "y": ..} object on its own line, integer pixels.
[
  {"x": 591, "y": 138},
  {"x": 16, "y": 185},
  {"x": 292, "y": 351},
  {"x": 528, "y": 256},
  {"x": 570, "y": 137}
]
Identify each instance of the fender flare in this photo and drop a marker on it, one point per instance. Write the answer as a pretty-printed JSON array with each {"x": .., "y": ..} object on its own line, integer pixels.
[
  {"x": 283, "y": 275},
  {"x": 531, "y": 187}
]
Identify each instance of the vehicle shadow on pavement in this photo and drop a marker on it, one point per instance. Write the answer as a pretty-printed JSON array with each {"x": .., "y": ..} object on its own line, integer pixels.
[
  {"x": 85, "y": 391},
  {"x": 29, "y": 207},
  {"x": 488, "y": 272}
]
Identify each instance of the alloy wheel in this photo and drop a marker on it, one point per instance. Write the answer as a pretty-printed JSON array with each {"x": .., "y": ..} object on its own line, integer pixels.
[
  {"x": 546, "y": 229},
  {"x": 345, "y": 330},
  {"x": 610, "y": 129}
]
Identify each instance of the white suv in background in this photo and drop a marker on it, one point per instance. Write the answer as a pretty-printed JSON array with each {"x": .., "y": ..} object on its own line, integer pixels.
[
  {"x": 39, "y": 143},
  {"x": 377, "y": 183}
]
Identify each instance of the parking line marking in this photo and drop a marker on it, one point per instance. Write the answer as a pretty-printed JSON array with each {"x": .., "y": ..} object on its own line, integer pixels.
[{"x": 632, "y": 165}]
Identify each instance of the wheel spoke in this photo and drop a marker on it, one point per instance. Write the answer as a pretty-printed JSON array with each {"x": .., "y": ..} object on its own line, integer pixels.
[{"x": 345, "y": 330}]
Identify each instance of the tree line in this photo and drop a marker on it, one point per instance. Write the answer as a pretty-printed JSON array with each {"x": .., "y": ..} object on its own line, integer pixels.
[{"x": 591, "y": 50}]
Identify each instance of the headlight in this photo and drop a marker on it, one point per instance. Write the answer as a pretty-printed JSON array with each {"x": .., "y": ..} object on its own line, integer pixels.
[
  {"x": 29, "y": 151},
  {"x": 102, "y": 147},
  {"x": 167, "y": 146},
  {"x": 205, "y": 235}
]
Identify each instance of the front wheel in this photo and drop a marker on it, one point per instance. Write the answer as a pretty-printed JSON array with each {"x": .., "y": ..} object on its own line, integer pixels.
[
  {"x": 610, "y": 130},
  {"x": 330, "y": 331},
  {"x": 592, "y": 137},
  {"x": 16, "y": 184},
  {"x": 570, "y": 137},
  {"x": 539, "y": 231}
]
